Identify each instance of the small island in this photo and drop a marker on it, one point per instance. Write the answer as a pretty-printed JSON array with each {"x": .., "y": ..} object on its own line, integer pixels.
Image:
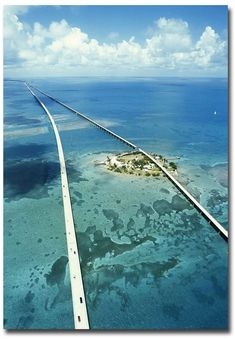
[{"x": 136, "y": 163}]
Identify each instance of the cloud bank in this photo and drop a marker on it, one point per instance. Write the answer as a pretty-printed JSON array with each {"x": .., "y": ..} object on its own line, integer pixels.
[{"x": 61, "y": 49}]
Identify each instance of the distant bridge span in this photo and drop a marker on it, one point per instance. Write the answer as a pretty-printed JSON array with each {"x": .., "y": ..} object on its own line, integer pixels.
[
  {"x": 89, "y": 119},
  {"x": 217, "y": 226}
]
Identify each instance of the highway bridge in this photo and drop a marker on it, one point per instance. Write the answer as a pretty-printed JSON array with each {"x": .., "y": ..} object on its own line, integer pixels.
[
  {"x": 217, "y": 226},
  {"x": 78, "y": 296}
]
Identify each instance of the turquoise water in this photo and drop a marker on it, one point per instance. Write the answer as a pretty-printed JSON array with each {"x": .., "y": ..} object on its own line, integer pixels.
[{"x": 149, "y": 260}]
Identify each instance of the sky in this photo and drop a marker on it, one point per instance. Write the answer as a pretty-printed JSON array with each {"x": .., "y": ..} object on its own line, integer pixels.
[{"x": 115, "y": 41}]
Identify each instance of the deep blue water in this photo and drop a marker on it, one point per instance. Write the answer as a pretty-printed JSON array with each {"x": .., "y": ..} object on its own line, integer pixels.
[
  {"x": 174, "y": 112},
  {"x": 152, "y": 267}
]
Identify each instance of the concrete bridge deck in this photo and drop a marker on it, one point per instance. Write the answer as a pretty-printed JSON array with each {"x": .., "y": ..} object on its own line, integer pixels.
[
  {"x": 78, "y": 296},
  {"x": 217, "y": 226}
]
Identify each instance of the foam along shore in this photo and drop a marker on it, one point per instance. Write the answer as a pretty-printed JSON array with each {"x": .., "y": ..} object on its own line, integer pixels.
[{"x": 136, "y": 163}]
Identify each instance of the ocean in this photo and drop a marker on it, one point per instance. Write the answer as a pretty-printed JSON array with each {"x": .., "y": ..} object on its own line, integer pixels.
[{"x": 149, "y": 259}]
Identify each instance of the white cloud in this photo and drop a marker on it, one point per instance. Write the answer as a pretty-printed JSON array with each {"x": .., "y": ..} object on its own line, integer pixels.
[
  {"x": 209, "y": 47},
  {"x": 171, "y": 35},
  {"x": 61, "y": 48}
]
